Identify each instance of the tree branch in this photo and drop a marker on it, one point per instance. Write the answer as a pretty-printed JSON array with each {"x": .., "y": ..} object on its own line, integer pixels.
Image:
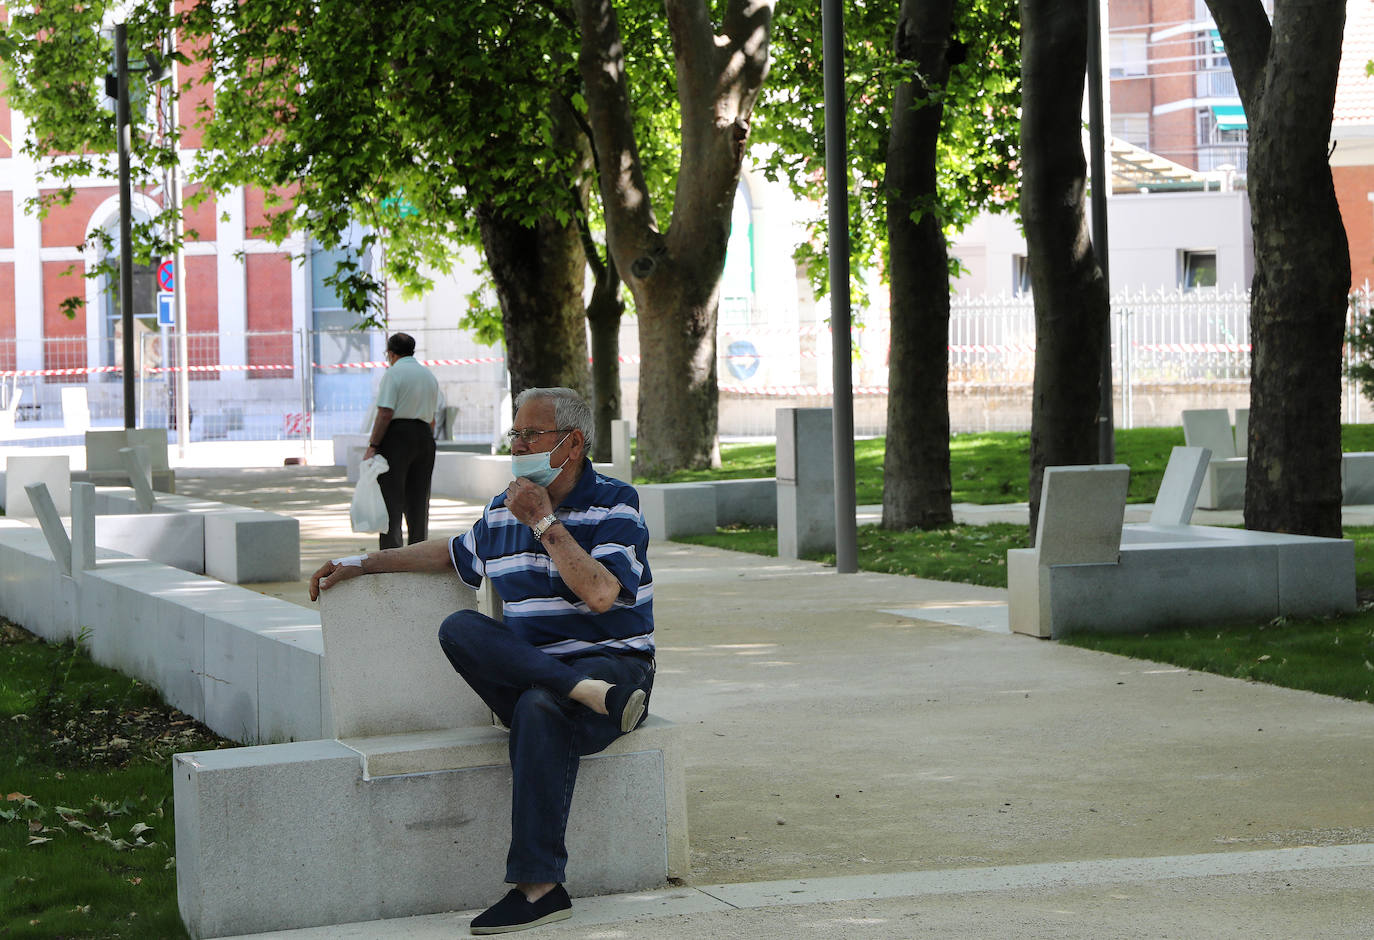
[
  {"x": 1245, "y": 30},
  {"x": 632, "y": 235}
]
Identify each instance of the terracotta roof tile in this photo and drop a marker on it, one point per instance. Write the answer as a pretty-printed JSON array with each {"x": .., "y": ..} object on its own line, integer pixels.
[{"x": 1354, "y": 87}]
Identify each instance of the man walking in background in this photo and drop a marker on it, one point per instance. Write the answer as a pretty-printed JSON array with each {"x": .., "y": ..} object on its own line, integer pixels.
[{"x": 403, "y": 433}]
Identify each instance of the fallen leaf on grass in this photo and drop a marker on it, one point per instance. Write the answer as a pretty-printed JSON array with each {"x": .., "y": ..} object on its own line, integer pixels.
[
  {"x": 15, "y": 797},
  {"x": 38, "y": 840}
]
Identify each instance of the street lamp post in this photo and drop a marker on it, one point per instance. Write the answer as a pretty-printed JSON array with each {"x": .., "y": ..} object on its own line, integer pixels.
[
  {"x": 126, "y": 249},
  {"x": 837, "y": 191}
]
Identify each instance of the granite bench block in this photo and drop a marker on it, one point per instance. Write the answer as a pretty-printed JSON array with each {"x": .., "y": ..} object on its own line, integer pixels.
[
  {"x": 474, "y": 477},
  {"x": 375, "y": 851},
  {"x": 291, "y": 695},
  {"x": 673, "y": 509},
  {"x": 34, "y": 591},
  {"x": 1357, "y": 479},
  {"x": 172, "y": 538},
  {"x": 248, "y": 546},
  {"x": 23, "y": 469},
  {"x": 746, "y": 502},
  {"x": 116, "y": 606}
]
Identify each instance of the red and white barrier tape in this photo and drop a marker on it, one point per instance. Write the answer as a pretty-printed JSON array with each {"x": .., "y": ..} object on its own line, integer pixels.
[{"x": 797, "y": 391}]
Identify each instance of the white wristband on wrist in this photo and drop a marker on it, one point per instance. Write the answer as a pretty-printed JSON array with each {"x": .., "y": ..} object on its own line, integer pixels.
[{"x": 354, "y": 560}]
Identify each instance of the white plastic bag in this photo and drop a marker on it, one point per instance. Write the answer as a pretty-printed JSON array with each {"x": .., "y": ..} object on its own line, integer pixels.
[{"x": 368, "y": 512}]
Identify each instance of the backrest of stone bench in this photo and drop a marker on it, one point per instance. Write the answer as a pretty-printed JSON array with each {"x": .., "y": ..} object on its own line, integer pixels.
[
  {"x": 140, "y": 477},
  {"x": 1081, "y": 512},
  {"x": 103, "y": 447},
  {"x": 386, "y": 673},
  {"x": 51, "y": 469},
  {"x": 1210, "y": 428},
  {"x": 76, "y": 409},
  {"x": 1182, "y": 482}
]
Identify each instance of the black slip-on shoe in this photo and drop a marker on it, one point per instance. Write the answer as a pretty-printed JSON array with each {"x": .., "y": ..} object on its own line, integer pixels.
[
  {"x": 513, "y": 912},
  {"x": 625, "y": 706}
]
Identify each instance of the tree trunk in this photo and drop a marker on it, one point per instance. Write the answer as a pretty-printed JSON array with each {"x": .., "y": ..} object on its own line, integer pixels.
[
  {"x": 604, "y": 312},
  {"x": 539, "y": 271},
  {"x": 675, "y": 275},
  {"x": 916, "y": 486},
  {"x": 1071, "y": 302},
  {"x": 1287, "y": 81}
]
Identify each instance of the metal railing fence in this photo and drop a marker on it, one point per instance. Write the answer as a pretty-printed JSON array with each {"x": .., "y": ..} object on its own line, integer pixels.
[{"x": 1171, "y": 350}]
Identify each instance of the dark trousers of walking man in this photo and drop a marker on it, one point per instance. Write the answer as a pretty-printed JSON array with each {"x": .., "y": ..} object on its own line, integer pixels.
[{"x": 408, "y": 447}]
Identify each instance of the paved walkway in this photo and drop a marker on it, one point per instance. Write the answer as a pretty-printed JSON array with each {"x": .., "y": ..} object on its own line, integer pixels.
[{"x": 862, "y": 762}]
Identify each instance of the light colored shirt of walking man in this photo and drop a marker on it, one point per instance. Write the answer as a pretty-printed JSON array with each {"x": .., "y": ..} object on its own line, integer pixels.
[{"x": 403, "y": 433}]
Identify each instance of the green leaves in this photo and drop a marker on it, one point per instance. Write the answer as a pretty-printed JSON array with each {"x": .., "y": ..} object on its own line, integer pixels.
[{"x": 977, "y": 160}]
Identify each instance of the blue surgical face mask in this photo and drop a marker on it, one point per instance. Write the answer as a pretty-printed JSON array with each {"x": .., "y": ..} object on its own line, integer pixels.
[{"x": 535, "y": 467}]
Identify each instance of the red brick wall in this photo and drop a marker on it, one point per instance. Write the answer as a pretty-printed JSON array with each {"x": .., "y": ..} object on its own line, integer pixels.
[
  {"x": 65, "y": 226},
  {"x": 202, "y": 313},
  {"x": 1353, "y": 186},
  {"x": 201, "y": 218},
  {"x": 62, "y": 338},
  {"x": 6, "y": 219},
  {"x": 198, "y": 94},
  {"x": 268, "y": 283},
  {"x": 255, "y": 209}
]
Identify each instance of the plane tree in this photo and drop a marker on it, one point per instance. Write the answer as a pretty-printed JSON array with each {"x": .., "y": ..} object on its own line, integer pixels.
[
  {"x": 1286, "y": 74},
  {"x": 1072, "y": 306},
  {"x": 932, "y": 103}
]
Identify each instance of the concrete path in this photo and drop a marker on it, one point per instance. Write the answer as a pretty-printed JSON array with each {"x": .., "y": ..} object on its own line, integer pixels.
[{"x": 861, "y": 766}]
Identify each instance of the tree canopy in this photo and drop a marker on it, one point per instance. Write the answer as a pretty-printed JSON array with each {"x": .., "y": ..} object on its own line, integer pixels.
[{"x": 978, "y": 145}]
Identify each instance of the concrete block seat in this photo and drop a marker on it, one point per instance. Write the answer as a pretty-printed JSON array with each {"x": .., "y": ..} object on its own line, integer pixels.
[
  {"x": 417, "y": 782},
  {"x": 1223, "y": 487},
  {"x": 1357, "y": 478},
  {"x": 673, "y": 509},
  {"x": 24, "y": 469},
  {"x": 237, "y": 544},
  {"x": 1089, "y": 572}
]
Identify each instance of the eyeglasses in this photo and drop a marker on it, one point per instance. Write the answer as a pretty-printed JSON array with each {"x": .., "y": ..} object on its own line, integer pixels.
[{"x": 530, "y": 435}]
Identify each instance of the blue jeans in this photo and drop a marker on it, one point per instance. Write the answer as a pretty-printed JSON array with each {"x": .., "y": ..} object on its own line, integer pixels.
[{"x": 549, "y": 733}]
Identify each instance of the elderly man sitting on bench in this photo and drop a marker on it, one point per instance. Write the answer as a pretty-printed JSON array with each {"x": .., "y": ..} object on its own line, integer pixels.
[{"x": 572, "y": 667}]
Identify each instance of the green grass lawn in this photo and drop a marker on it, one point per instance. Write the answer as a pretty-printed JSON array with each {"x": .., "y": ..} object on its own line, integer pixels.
[{"x": 87, "y": 839}]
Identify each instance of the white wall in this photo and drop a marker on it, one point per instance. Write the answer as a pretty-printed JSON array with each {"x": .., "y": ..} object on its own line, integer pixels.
[{"x": 1147, "y": 232}]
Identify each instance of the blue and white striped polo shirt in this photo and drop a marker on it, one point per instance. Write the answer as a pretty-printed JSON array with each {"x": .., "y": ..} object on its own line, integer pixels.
[{"x": 602, "y": 514}]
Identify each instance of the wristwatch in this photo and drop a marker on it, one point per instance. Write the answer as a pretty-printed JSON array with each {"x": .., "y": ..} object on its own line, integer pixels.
[{"x": 542, "y": 526}]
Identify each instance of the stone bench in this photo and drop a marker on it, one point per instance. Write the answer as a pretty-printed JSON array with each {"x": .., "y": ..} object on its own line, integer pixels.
[
  {"x": 106, "y": 465},
  {"x": 235, "y": 544},
  {"x": 416, "y": 783},
  {"x": 1223, "y": 487},
  {"x": 245, "y": 664},
  {"x": 1089, "y": 572},
  {"x": 54, "y": 470},
  {"x": 1357, "y": 478}
]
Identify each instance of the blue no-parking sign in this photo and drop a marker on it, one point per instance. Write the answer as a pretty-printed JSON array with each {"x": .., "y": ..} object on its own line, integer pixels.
[
  {"x": 166, "y": 309},
  {"x": 166, "y": 276}
]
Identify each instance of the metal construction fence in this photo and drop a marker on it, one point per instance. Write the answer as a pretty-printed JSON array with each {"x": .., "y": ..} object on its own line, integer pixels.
[{"x": 1170, "y": 351}]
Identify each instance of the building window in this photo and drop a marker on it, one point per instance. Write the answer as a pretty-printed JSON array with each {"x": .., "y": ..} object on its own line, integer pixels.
[
  {"x": 1128, "y": 55},
  {"x": 1020, "y": 276},
  {"x": 1198, "y": 269},
  {"x": 147, "y": 335},
  {"x": 1132, "y": 128}
]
